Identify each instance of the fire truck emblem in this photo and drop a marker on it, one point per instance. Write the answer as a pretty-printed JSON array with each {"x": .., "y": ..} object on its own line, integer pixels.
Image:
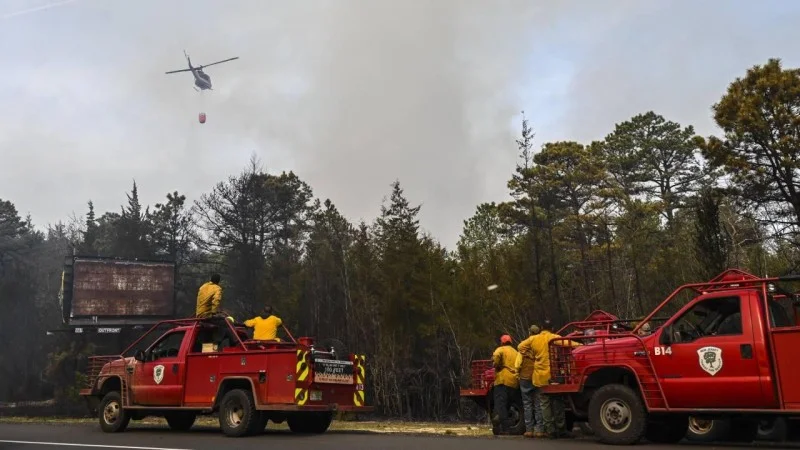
[
  {"x": 158, "y": 374},
  {"x": 710, "y": 359}
]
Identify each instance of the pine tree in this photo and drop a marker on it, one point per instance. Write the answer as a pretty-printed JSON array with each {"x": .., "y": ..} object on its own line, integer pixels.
[{"x": 90, "y": 233}]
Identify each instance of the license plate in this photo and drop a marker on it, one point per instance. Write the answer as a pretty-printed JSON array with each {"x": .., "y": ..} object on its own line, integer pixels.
[{"x": 316, "y": 396}]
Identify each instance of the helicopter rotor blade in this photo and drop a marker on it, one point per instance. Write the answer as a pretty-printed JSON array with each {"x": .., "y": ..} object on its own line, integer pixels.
[
  {"x": 176, "y": 71},
  {"x": 219, "y": 62}
]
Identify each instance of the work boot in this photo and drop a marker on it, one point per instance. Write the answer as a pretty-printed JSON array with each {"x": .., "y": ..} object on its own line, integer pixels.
[
  {"x": 528, "y": 434},
  {"x": 564, "y": 435},
  {"x": 539, "y": 434}
]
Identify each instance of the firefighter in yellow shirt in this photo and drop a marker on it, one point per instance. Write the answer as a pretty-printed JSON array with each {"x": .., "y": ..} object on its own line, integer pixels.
[
  {"x": 265, "y": 326},
  {"x": 209, "y": 297},
  {"x": 505, "y": 381},
  {"x": 553, "y": 422},
  {"x": 525, "y": 363}
]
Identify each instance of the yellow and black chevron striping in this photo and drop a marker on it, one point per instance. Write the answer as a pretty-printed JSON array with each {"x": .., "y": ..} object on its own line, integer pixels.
[
  {"x": 358, "y": 395},
  {"x": 302, "y": 366},
  {"x": 300, "y": 396}
]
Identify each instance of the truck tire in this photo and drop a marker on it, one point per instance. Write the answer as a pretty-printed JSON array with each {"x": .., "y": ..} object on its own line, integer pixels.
[
  {"x": 516, "y": 415},
  {"x": 468, "y": 409},
  {"x": 708, "y": 430},
  {"x": 180, "y": 420},
  {"x": 113, "y": 418},
  {"x": 617, "y": 415},
  {"x": 667, "y": 430},
  {"x": 237, "y": 413},
  {"x": 775, "y": 429},
  {"x": 310, "y": 422}
]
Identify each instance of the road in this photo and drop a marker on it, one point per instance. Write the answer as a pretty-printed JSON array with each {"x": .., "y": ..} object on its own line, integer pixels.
[{"x": 85, "y": 436}]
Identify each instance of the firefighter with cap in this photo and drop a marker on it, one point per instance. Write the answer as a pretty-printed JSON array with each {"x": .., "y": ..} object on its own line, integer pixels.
[
  {"x": 505, "y": 381},
  {"x": 551, "y": 408},
  {"x": 524, "y": 363}
]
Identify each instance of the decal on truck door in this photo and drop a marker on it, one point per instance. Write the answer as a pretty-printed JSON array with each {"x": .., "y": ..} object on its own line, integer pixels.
[
  {"x": 158, "y": 374},
  {"x": 710, "y": 359}
]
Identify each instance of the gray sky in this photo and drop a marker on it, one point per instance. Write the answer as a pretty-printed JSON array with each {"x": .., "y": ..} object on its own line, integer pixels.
[{"x": 351, "y": 95}]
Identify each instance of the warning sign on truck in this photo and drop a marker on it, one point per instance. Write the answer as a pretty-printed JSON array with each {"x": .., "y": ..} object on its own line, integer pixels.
[{"x": 333, "y": 372}]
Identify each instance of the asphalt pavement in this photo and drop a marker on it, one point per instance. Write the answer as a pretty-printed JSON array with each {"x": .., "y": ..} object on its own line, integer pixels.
[{"x": 86, "y": 436}]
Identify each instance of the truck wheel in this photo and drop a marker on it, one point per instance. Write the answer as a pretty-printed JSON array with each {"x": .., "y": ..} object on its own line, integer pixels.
[
  {"x": 469, "y": 409},
  {"x": 180, "y": 421},
  {"x": 238, "y": 414},
  {"x": 775, "y": 429},
  {"x": 310, "y": 422},
  {"x": 617, "y": 415},
  {"x": 516, "y": 417},
  {"x": 667, "y": 430},
  {"x": 708, "y": 430},
  {"x": 113, "y": 418}
]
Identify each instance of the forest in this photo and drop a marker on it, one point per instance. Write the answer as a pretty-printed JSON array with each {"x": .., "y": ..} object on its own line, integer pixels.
[{"x": 615, "y": 224}]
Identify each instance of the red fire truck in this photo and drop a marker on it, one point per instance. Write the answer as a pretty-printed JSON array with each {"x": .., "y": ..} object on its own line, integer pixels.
[
  {"x": 183, "y": 368},
  {"x": 729, "y": 353}
]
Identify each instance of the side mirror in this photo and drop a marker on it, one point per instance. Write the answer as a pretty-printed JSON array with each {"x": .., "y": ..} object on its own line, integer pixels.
[{"x": 139, "y": 356}]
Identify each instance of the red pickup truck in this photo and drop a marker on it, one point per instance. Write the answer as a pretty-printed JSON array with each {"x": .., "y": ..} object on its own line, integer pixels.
[
  {"x": 183, "y": 368},
  {"x": 730, "y": 352}
]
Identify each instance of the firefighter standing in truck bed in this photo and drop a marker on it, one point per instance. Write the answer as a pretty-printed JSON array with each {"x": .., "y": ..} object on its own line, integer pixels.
[
  {"x": 265, "y": 326},
  {"x": 209, "y": 297},
  {"x": 505, "y": 380}
]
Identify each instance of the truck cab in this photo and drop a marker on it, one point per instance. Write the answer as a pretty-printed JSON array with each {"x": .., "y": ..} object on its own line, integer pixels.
[
  {"x": 730, "y": 351},
  {"x": 183, "y": 368}
]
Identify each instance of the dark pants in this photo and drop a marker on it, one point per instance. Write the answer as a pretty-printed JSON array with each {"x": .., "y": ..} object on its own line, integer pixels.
[
  {"x": 502, "y": 396},
  {"x": 553, "y": 414}
]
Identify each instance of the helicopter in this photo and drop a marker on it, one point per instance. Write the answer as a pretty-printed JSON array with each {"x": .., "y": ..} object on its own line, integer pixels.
[{"x": 201, "y": 79}]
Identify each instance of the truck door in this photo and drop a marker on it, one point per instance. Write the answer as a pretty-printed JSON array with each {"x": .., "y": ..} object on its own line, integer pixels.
[
  {"x": 158, "y": 381},
  {"x": 202, "y": 367},
  {"x": 705, "y": 355}
]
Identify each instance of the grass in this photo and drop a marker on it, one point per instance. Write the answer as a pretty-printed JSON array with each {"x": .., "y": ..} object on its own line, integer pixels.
[{"x": 397, "y": 427}]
